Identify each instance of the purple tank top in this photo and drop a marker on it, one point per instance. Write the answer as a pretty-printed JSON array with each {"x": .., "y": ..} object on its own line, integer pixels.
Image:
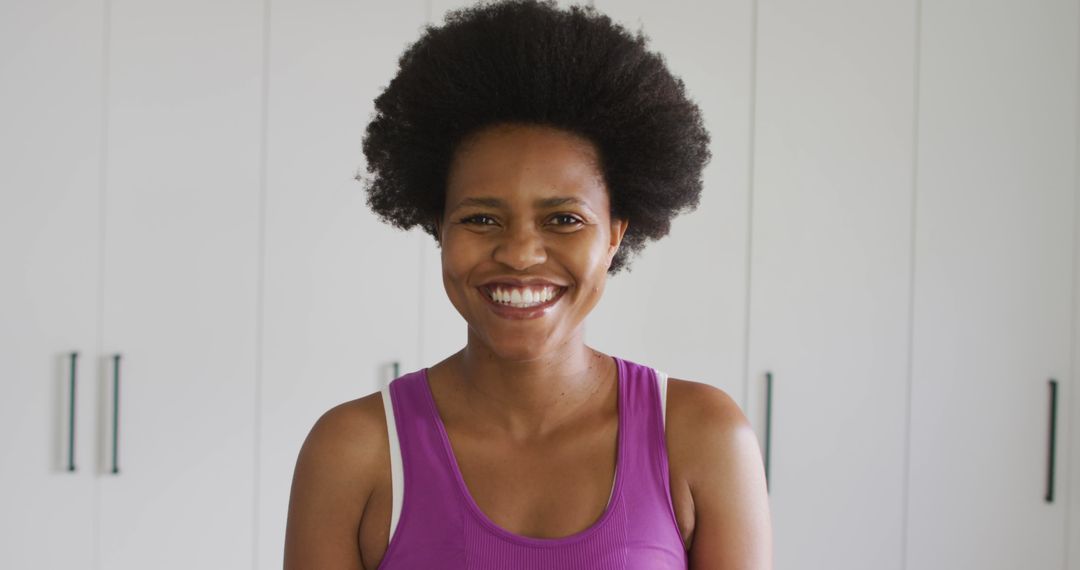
[{"x": 441, "y": 526}]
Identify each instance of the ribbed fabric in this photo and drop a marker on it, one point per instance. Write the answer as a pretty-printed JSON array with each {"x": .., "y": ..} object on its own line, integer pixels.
[{"x": 441, "y": 527}]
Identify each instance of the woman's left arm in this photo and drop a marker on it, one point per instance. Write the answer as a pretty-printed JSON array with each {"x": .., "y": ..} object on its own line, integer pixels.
[{"x": 732, "y": 524}]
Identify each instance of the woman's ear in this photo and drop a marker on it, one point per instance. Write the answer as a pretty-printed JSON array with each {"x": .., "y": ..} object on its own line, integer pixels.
[{"x": 618, "y": 229}]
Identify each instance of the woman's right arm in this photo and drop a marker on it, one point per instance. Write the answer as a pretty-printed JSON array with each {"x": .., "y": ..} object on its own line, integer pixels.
[{"x": 334, "y": 476}]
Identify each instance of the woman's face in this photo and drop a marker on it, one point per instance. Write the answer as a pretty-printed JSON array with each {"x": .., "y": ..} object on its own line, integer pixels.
[{"x": 527, "y": 219}]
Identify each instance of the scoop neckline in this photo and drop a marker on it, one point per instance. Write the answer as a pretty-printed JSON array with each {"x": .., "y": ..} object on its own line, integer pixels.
[{"x": 474, "y": 508}]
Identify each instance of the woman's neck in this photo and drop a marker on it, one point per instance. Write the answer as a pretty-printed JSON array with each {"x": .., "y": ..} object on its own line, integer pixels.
[{"x": 528, "y": 399}]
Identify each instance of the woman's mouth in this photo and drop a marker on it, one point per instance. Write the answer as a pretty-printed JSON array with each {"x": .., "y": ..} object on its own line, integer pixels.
[{"x": 521, "y": 302}]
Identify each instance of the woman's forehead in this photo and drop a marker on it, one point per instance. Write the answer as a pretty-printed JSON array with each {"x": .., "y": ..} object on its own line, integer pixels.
[{"x": 525, "y": 164}]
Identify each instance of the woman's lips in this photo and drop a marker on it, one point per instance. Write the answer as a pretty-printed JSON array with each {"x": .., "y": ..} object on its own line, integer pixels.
[{"x": 518, "y": 313}]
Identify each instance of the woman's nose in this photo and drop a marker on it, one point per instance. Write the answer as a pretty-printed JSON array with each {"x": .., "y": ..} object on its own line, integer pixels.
[{"x": 521, "y": 247}]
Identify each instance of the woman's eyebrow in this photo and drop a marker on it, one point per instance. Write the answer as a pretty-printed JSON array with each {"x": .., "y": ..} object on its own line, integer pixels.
[{"x": 491, "y": 202}]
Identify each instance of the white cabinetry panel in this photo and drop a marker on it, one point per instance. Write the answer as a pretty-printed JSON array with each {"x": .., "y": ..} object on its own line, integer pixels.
[
  {"x": 830, "y": 275},
  {"x": 50, "y": 141},
  {"x": 341, "y": 295},
  {"x": 993, "y": 277},
  {"x": 181, "y": 268}
]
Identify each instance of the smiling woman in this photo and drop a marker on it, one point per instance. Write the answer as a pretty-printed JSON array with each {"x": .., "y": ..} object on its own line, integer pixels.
[
  {"x": 527, "y": 210},
  {"x": 539, "y": 147}
]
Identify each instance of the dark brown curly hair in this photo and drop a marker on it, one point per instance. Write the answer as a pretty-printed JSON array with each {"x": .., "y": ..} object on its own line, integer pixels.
[{"x": 527, "y": 61}]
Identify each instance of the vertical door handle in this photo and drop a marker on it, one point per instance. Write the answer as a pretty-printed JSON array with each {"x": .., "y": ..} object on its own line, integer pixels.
[
  {"x": 71, "y": 412},
  {"x": 116, "y": 414},
  {"x": 768, "y": 425},
  {"x": 1053, "y": 436}
]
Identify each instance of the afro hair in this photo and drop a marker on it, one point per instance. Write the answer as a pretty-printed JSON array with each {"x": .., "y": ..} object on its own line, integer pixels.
[{"x": 527, "y": 61}]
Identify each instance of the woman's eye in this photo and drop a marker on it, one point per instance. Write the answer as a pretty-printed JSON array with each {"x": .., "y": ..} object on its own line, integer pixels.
[
  {"x": 572, "y": 220},
  {"x": 485, "y": 220},
  {"x": 472, "y": 219}
]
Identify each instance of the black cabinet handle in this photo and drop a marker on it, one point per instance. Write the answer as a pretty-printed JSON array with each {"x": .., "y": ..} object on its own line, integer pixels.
[
  {"x": 116, "y": 413},
  {"x": 397, "y": 368},
  {"x": 1053, "y": 437},
  {"x": 768, "y": 425},
  {"x": 71, "y": 412}
]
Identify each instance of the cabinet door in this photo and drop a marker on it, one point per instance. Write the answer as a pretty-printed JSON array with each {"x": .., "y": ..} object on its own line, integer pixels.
[
  {"x": 682, "y": 305},
  {"x": 340, "y": 295},
  {"x": 993, "y": 277},
  {"x": 1073, "y": 477},
  {"x": 830, "y": 275},
  {"x": 181, "y": 292},
  {"x": 50, "y": 140}
]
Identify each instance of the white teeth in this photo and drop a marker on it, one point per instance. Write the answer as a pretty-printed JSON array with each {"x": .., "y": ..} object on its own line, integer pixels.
[{"x": 522, "y": 297}]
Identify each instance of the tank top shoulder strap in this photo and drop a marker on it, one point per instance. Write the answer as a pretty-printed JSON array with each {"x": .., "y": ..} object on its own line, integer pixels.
[
  {"x": 648, "y": 480},
  {"x": 423, "y": 488}
]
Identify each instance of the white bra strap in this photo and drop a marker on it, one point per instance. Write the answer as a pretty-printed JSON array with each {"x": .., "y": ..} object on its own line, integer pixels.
[
  {"x": 661, "y": 378},
  {"x": 397, "y": 478}
]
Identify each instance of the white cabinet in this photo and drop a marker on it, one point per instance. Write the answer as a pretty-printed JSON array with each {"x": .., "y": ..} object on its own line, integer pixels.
[
  {"x": 830, "y": 276},
  {"x": 50, "y": 123},
  {"x": 993, "y": 283},
  {"x": 181, "y": 262},
  {"x": 340, "y": 287},
  {"x": 1070, "y": 407},
  {"x": 130, "y": 226}
]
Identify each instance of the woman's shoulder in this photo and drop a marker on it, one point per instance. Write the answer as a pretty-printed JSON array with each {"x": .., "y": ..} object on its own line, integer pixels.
[
  {"x": 354, "y": 430},
  {"x": 341, "y": 462},
  {"x": 716, "y": 464},
  {"x": 348, "y": 445},
  {"x": 695, "y": 401},
  {"x": 699, "y": 417},
  {"x": 705, "y": 427}
]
